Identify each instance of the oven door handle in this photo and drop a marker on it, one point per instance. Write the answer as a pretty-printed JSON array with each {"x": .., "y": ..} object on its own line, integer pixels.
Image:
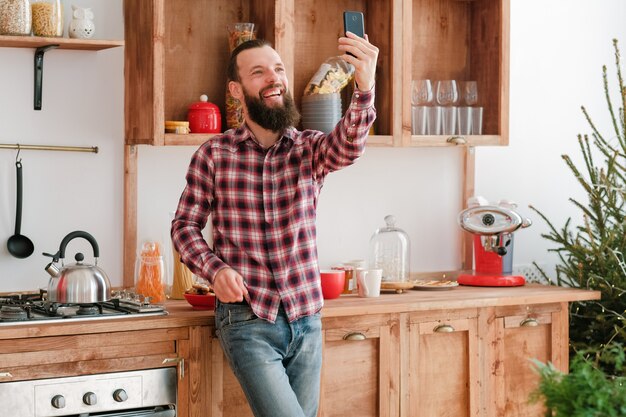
[
  {"x": 180, "y": 364},
  {"x": 164, "y": 413},
  {"x": 144, "y": 413}
]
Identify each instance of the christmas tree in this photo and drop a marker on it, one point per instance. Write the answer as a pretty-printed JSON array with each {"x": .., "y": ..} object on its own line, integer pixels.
[{"x": 591, "y": 254}]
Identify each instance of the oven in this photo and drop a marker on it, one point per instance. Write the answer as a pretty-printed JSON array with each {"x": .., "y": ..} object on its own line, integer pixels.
[
  {"x": 142, "y": 393},
  {"x": 128, "y": 393}
]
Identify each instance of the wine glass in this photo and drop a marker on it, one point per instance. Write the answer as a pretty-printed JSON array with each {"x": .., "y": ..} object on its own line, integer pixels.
[
  {"x": 421, "y": 92},
  {"x": 447, "y": 92},
  {"x": 448, "y": 96},
  {"x": 470, "y": 92}
]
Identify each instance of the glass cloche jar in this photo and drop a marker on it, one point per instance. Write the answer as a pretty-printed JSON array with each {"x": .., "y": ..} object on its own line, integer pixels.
[{"x": 389, "y": 250}]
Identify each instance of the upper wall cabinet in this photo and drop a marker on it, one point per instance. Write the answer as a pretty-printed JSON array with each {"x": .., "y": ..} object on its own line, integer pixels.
[{"x": 178, "y": 50}]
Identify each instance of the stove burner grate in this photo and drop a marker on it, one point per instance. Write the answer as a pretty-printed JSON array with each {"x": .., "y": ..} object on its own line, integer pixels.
[
  {"x": 13, "y": 313},
  {"x": 89, "y": 310}
]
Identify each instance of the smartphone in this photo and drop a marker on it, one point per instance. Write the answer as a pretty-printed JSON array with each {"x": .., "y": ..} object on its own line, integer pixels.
[{"x": 353, "y": 22}]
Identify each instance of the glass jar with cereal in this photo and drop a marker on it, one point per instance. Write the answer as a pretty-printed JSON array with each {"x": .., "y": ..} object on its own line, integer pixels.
[
  {"x": 15, "y": 17},
  {"x": 47, "y": 18}
]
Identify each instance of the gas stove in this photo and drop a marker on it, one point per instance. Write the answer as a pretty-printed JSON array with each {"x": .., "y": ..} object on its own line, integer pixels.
[{"x": 35, "y": 308}]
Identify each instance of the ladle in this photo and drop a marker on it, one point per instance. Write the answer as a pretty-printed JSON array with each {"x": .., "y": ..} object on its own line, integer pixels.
[{"x": 19, "y": 245}]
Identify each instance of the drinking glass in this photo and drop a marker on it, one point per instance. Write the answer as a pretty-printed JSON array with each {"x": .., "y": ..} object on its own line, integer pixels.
[
  {"x": 447, "y": 92},
  {"x": 470, "y": 92},
  {"x": 421, "y": 92},
  {"x": 447, "y": 96}
]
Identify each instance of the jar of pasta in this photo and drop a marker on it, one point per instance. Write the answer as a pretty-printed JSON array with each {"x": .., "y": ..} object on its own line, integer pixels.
[
  {"x": 15, "y": 17},
  {"x": 238, "y": 33},
  {"x": 47, "y": 18},
  {"x": 151, "y": 277}
]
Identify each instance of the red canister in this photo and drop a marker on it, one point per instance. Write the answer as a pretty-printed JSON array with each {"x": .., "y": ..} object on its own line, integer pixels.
[{"x": 204, "y": 117}]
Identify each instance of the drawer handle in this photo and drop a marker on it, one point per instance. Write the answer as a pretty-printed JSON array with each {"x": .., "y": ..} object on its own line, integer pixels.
[
  {"x": 443, "y": 328},
  {"x": 529, "y": 322},
  {"x": 457, "y": 140},
  {"x": 6, "y": 375},
  {"x": 180, "y": 364},
  {"x": 354, "y": 336}
]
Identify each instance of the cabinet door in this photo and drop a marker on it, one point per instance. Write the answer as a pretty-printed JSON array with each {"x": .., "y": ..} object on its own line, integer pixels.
[
  {"x": 443, "y": 368},
  {"x": 360, "y": 367},
  {"x": 525, "y": 333}
]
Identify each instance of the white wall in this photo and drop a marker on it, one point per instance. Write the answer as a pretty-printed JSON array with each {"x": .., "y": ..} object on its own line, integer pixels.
[{"x": 557, "y": 50}]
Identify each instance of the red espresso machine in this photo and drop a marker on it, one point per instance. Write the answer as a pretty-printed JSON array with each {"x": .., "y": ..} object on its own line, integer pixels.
[{"x": 492, "y": 227}]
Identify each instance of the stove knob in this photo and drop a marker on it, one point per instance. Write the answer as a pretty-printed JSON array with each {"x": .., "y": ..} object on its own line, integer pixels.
[
  {"x": 58, "y": 401},
  {"x": 90, "y": 398},
  {"x": 120, "y": 395}
]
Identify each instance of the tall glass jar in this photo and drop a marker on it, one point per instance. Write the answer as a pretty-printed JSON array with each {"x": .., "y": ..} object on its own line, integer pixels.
[
  {"x": 15, "y": 17},
  {"x": 151, "y": 278},
  {"x": 389, "y": 251},
  {"x": 238, "y": 33},
  {"x": 47, "y": 18}
]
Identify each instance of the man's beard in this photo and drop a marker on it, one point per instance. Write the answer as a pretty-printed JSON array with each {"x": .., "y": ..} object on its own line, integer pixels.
[{"x": 276, "y": 118}]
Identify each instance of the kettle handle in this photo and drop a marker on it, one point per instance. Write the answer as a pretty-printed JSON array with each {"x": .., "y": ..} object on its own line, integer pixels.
[{"x": 84, "y": 235}]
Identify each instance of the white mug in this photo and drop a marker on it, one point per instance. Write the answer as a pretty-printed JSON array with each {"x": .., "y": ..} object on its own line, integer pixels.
[{"x": 368, "y": 282}]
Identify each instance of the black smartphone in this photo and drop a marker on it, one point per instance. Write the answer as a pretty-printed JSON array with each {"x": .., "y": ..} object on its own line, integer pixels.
[{"x": 353, "y": 22}]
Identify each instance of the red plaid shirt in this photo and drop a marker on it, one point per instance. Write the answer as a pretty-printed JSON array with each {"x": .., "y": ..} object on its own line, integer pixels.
[{"x": 263, "y": 205}]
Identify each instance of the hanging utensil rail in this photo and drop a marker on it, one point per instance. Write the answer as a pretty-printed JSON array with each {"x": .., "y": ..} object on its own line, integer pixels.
[{"x": 18, "y": 146}]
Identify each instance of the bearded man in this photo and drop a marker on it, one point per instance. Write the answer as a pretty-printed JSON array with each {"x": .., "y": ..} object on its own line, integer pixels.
[{"x": 260, "y": 183}]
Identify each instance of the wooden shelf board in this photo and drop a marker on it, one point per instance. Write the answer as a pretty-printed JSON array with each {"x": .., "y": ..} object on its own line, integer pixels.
[
  {"x": 472, "y": 140},
  {"x": 173, "y": 139},
  {"x": 64, "y": 43}
]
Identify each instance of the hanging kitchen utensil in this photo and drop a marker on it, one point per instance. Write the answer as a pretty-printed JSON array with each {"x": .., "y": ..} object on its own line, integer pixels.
[
  {"x": 19, "y": 245},
  {"x": 77, "y": 283}
]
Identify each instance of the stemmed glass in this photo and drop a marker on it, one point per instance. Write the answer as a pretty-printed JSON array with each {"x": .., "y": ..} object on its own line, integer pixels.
[
  {"x": 421, "y": 92},
  {"x": 470, "y": 93},
  {"x": 421, "y": 97},
  {"x": 448, "y": 96},
  {"x": 447, "y": 92}
]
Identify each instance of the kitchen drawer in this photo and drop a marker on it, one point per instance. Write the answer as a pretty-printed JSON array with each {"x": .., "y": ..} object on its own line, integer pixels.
[{"x": 56, "y": 356}]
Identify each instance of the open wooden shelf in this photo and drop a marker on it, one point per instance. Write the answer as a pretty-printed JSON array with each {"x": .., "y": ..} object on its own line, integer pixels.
[{"x": 64, "y": 43}]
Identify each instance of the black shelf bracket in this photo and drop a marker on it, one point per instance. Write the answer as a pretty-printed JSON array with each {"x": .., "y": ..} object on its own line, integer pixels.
[{"x": 39, "y": 72}]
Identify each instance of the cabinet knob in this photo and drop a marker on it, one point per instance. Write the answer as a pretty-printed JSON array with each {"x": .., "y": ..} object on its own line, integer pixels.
[
  {"x": 90, "y": 398},
  {"x": 58, "y": 401},
  {"x": 529, "y": 322},
  {"x": 120, "y": 395},
  {"x": 443, "y": 328},
  {"x": 354, "y": 336}
]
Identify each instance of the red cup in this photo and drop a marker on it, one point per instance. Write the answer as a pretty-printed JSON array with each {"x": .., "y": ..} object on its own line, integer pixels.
[{"x": 332, "y": 283}]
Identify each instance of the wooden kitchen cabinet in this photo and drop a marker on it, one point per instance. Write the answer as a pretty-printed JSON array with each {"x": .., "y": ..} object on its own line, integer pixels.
[
  {"x": 443, "y": 360},
  {"x": 523, "y": 333},
  {"x": 464, "y": 352},
  {"x": 176, "y": 51},
  {"x": 360, "y": 371}
]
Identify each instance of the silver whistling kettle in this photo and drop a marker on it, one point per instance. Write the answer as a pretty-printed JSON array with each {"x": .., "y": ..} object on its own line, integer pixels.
[{"x": 77, "y": 283}]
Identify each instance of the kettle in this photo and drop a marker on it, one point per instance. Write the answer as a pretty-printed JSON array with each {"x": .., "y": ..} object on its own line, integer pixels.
[{"x": 77, "y": 283}]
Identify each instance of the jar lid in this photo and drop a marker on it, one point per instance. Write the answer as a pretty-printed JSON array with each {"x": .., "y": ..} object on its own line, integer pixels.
[{"x": 203, "y": 104}]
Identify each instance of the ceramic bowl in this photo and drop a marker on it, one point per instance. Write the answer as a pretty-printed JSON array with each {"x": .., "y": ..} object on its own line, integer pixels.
[{"x": 201, "y": 302}]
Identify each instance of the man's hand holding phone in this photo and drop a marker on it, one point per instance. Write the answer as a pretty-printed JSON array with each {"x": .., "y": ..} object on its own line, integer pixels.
[{"x": 358, "y": 51}]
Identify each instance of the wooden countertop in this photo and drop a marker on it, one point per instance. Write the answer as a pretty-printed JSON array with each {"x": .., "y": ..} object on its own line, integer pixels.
[{"x": 181, "y": 314}]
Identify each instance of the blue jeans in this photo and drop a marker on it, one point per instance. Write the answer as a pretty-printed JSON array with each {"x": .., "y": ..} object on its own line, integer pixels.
[{"x": 277, "y": 364}]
